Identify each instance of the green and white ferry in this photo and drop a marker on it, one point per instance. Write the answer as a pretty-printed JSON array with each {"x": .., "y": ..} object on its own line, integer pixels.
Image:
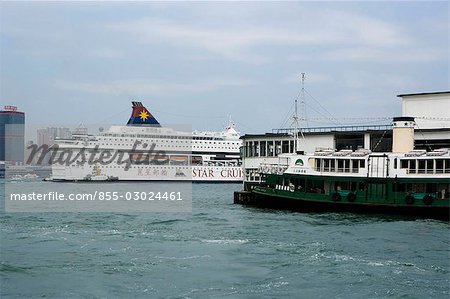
[{"x": 404, "y": 181}]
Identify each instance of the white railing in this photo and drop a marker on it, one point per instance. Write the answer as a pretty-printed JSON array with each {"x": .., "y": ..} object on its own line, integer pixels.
[{"x": 427, "y": 171}]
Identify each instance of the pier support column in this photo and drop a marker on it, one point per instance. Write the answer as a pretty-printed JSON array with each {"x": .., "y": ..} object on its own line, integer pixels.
[{"x": 367, "y": 141}]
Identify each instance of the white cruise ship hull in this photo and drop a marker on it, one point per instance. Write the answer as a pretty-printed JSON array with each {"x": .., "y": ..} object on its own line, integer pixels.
[{"x": 152, "y": 173}]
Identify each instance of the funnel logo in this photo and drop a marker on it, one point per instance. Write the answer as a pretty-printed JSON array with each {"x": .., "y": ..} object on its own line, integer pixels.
[
  {"x": 299, "y": 162},
  {"x": 143, "y": 115}
]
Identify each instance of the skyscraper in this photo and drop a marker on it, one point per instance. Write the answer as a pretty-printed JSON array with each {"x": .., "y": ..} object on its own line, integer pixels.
[{"x": 12, "y": 134}]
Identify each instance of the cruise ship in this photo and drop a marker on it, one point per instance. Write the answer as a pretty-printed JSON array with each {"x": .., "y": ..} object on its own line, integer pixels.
[{"x": 143, "y": 150}]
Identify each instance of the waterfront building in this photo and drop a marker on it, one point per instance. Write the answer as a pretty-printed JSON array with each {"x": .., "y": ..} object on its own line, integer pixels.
[{"x": 12, "y": 134}]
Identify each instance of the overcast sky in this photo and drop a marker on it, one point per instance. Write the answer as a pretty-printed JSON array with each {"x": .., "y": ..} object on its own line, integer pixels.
[{"x": 197, "y": 62}]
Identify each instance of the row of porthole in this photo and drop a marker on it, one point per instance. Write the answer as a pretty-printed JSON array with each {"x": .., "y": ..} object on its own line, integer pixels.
[
  {"x": 216, "y": 147},
  {"x": 152, "y": 167},
  {"x": 152, "y": 140}
]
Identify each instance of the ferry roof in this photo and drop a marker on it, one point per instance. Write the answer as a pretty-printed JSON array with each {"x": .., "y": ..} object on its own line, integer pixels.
[{"x": 422, "y": 93}]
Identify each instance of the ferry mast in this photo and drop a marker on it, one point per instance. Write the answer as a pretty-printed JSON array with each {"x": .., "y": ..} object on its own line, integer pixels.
[{"x": 295, "y": 118}]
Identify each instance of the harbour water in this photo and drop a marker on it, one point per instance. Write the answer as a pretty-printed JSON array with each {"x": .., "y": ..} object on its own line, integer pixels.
[{"x": 222, "y": 250}]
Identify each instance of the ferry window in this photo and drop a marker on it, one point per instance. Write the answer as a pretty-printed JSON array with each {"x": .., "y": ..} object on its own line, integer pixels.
[
  {"x": 346, "y": 165},
  {"x": 399, "y": 187},
  {"x": 362, "y": 163},
  {"x": 291, "y": 146},
  {"x": 318, "y": 164},
  {"x": 326, "y": 165},
  {"x": 412, "y": 166},
  {"x": 299, "y": 184},
  {"x": 332, "y": 165},
  {"x": 430, "y": 166},
  {"x": 340, "y": 165},
  {"x": 395, "y": 163},
  {"x": 403, "y": 163},
  {"x": 355, "y": 165},
  {"x": 421, "y": 166},
  {"x": 439, "y": 166},
  {"x": 447, "y": 165}
]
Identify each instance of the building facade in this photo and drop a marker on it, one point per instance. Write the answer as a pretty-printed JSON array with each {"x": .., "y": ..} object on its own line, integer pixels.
[
  {"x": 431, "y": 112},
  {"x": 12, "y": 135}
]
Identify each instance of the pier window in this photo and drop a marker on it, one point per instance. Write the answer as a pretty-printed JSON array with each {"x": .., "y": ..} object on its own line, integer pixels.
[
  {"x": 277, "y": 147},
  {"x": 285, "y": 146},
  {"x": 262, "y": 148},
  {"x": 270, "y": 148}
]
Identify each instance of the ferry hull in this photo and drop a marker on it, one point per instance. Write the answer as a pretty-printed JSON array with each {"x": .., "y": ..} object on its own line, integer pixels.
[{"x": 277, "y": 201}]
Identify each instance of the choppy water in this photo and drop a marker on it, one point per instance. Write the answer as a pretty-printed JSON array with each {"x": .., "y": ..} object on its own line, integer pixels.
[{"x": 222, "y": 250}]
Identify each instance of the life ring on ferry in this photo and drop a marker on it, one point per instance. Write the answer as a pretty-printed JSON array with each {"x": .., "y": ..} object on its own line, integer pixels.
[
  {"x": 336, "y": 196},
  {"x": 428, "y": 200},
  {"x": 351, "y": 197},
  {"x": 409, "y": 199}
]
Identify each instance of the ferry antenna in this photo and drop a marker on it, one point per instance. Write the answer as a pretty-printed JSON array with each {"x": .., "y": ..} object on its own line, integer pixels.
[{"x": 295, "y": 117}]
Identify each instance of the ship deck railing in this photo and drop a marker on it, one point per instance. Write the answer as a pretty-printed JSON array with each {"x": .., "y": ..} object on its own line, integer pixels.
[
  {"x": 427, "y": 171},
  {"x": 337, "y": 170}
]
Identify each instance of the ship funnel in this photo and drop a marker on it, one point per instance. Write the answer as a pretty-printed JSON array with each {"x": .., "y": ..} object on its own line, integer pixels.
[
  {"x": 403, "y": 134},
  {"x": 141, "y": 116}
]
